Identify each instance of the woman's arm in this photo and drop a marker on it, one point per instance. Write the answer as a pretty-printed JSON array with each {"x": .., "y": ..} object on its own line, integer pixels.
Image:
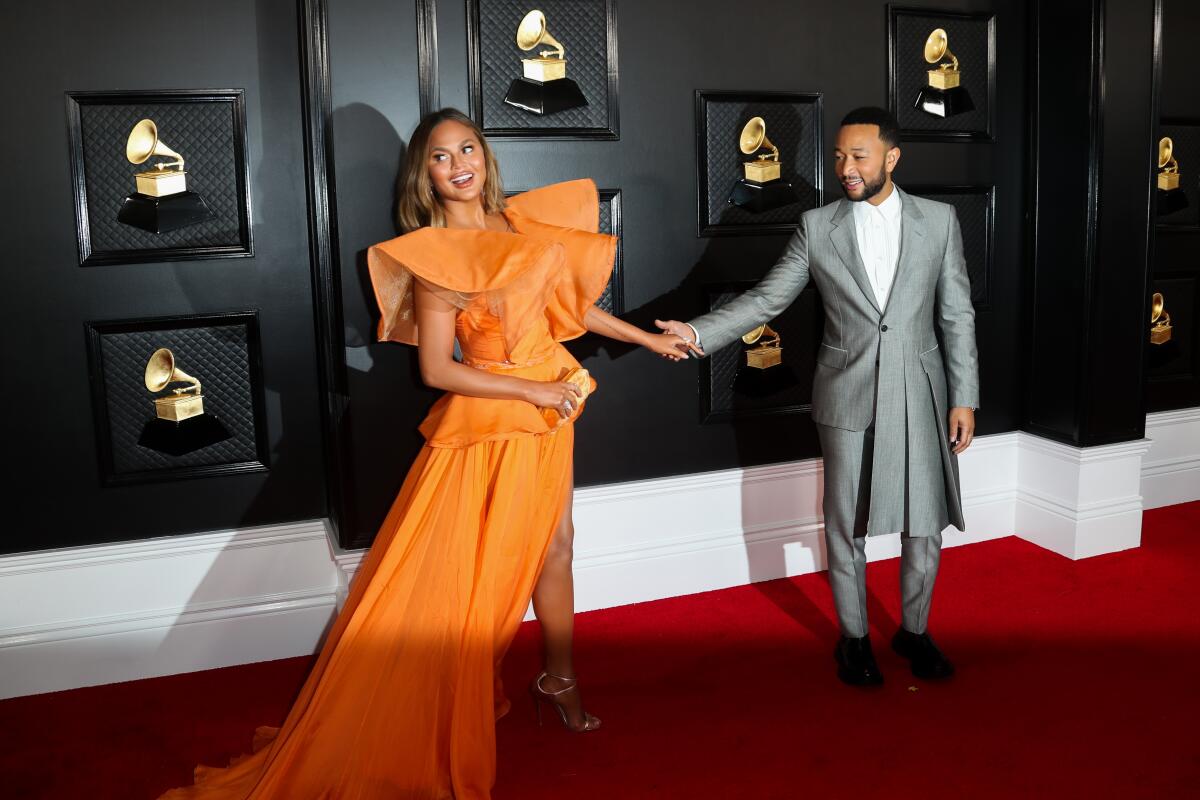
[
  {"x": 439, "y": 370},
  {"x": 668, "y": 345}
]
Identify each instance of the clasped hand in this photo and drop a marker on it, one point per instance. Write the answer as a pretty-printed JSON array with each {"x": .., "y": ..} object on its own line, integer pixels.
[{"x": 677, "y": 341}]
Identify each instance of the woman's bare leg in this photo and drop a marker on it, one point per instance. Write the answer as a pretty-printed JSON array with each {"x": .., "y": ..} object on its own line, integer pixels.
[{"x": 554, "y": 605}]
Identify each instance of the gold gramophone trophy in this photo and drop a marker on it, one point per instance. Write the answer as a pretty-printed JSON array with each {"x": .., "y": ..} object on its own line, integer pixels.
[
  {"x": 162, "y": 202},
  {"x": 761, "y": 187},
  {"x": 767, "y": 351},
  {"x": 183, "y": 402},
  {"x": 1160, "y": 321},
  {"x": 180, "y": 425},
  {"x": 544, "y": 87},
  {"x": 943, "y": 94},
  {"x": 1171, "y": 197}
]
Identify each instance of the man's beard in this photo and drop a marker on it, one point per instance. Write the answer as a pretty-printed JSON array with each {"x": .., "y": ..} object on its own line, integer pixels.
[{"x": 870, "y": 187}]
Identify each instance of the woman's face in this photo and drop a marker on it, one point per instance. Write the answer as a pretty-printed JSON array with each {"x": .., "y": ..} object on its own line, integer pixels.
[{"x": 457, "y": 166}]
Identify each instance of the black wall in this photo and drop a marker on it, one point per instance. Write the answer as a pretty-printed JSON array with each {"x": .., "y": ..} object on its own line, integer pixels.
[
  {"x": 1173, "y": 369},
  {"x": 645, "y": 420},
  {"x": 53, "y": 495}
]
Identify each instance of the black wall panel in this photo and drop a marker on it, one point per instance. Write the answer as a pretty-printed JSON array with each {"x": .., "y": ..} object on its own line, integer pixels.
[
  {"x": 645, "y": 420},
  {"x": 1172, "y": 370},
  {"x": 53, "y": 496}
]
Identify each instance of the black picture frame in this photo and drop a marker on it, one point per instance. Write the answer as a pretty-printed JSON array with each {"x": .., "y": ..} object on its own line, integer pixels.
[
  {"x": 613, "y": 299},
  {"x": 905, "y": 60},
  {"x": 716, "y": 173},
  {"x": 1183, "y": 131},
  {"x": 230, "y": 235},
  {"x": 799, "y": 326},
  {"x": 977, "y": 221},
  {"x": 487, "y": 107},
  {"x": 238, "y": 376}
]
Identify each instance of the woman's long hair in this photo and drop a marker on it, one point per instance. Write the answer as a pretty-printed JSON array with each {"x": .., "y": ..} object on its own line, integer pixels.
[{"x": 419, "y": 206}]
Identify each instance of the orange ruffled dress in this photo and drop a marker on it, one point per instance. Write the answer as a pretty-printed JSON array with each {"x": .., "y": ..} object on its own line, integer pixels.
[{"x": 403, "y": 698}]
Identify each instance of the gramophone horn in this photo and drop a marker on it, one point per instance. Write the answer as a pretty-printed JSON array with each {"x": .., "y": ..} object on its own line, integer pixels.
[
  {"x": 532, "y": 32},
  {"x": 754, "y": 136},
  {"x": 143, "y": 143},
  {"x": 754, "y": 335},
  {"x": 1166, "y": 149},
  {"x": 1156, "y": 306},
  {"x": 161, "y": 372},
  {"x": 937, "y": 47}
]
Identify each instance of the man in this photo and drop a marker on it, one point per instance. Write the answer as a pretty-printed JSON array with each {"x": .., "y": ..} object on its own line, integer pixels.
[{"x": 889, "y": 402}]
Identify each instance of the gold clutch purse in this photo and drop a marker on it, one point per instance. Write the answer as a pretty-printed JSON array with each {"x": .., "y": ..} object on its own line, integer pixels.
[{"x": 581, "y": 379}]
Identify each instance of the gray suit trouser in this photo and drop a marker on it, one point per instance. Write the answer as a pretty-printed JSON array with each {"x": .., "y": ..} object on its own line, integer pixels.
[{"x": 847, "y": 503}]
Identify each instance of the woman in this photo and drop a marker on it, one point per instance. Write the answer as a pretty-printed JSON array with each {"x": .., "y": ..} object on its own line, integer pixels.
[{"x": 403, "y": 697}]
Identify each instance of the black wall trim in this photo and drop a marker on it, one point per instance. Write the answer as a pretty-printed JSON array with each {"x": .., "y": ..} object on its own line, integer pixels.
[
  {"x": 322, "y": 234},
  {"x": 427, "y": 56}
]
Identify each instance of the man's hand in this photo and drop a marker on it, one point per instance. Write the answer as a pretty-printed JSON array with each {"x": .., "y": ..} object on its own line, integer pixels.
[
  {"x": 684, "y": 332},
  {"x": 962, "y": 427}
]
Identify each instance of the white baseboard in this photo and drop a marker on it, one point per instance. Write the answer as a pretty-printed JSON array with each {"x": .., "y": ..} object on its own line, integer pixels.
[
  {"x": 1080, "y": 502},
  {"x": 1171, "y": 470},
  {"x": 93, "y": 615}
]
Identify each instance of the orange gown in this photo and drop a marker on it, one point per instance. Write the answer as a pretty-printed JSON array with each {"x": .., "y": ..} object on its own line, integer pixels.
[{"x": 403, "y": 698}]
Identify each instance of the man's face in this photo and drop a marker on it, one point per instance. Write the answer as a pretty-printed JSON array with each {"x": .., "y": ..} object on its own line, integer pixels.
[{"x": 862, "y": 161}]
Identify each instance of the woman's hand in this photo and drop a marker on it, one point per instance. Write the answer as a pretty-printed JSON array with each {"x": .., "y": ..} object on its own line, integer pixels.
[
  {"x": 667, "y": 345},
  {"x": 561, "y": 396}
]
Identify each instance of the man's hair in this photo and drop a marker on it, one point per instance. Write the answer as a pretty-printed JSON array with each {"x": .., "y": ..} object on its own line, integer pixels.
[{"x": 889, "y": 129}]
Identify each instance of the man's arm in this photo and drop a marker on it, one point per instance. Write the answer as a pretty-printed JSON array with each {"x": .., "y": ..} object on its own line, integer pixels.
[
  {"x": 759, "y": 305},
  {"x": 956, "y": 321}
]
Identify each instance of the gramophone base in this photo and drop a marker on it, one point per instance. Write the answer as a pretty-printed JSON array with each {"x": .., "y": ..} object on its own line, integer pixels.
[
  {"x": 760, "y": 384},
  {"x": 1170, "y": 202},
  {"x": 545, "y": 98},
  {"x": 944, "y": 102},
  {"x": 163, "y": 214},
  {"x": 181, "y": 438},
  {"x": 759, "y": 197}
]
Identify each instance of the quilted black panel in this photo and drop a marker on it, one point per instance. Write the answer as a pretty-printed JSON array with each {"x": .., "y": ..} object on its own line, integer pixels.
[
  {"x": 736, "y": 390},
  {"x": 1186, "y": 139},
  {"x": 204, "y": 133},
  {"x": 217, "y": 356},
  {"x": 582, "y": 28},
  {"x": 975, "y": 219},
  {"x": 1178, "y": 359},
  {"x": 969, "y": 41},
  {"x": 793, "y": 127}
]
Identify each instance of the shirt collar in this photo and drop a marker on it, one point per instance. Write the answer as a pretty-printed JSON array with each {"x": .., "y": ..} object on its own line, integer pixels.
[{"x": 889, "y": 208}]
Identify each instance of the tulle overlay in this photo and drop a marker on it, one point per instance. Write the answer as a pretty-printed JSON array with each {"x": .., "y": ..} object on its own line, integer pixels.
[{"x": 403, "y": 698}]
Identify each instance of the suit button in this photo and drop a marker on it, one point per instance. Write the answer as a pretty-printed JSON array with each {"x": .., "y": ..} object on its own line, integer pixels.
[{"x": 883, "y": 328}]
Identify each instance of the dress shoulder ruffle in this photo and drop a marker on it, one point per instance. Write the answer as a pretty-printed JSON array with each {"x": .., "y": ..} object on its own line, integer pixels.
[{"x": 550, "y": 266}]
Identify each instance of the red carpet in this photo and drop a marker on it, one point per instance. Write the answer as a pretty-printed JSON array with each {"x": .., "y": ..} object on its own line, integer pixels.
[{"x": 1076, "y": 679}]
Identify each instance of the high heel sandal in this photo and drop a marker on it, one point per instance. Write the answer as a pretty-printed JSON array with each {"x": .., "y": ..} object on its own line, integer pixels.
[{"x": 541, "y": 696}]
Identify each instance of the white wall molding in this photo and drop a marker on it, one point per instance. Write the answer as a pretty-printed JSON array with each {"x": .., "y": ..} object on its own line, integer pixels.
[
  {"x": 1080, "y": 501},
  {"x": 92, "y": 615},
  {"x": 1171, "y": 470}
]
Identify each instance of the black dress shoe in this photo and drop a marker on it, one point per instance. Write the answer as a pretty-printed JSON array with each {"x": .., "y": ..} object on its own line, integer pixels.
[
  {"x": 856, "y": 662},
  {"x": 927, "y": 661}
]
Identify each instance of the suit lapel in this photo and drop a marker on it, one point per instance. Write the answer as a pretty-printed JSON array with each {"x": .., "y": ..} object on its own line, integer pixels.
[
  {"x": 845, "y": 243},
  {"x": 912, "y": 233}
]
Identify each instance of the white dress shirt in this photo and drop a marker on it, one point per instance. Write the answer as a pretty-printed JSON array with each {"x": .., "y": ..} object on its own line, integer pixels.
[{"x": 877, "y": 231}]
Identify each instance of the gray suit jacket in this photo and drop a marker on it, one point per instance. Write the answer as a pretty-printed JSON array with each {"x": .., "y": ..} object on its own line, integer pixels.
[
  {"x": 931, "y": 294},
  {"x": 879, "y": 366}
]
